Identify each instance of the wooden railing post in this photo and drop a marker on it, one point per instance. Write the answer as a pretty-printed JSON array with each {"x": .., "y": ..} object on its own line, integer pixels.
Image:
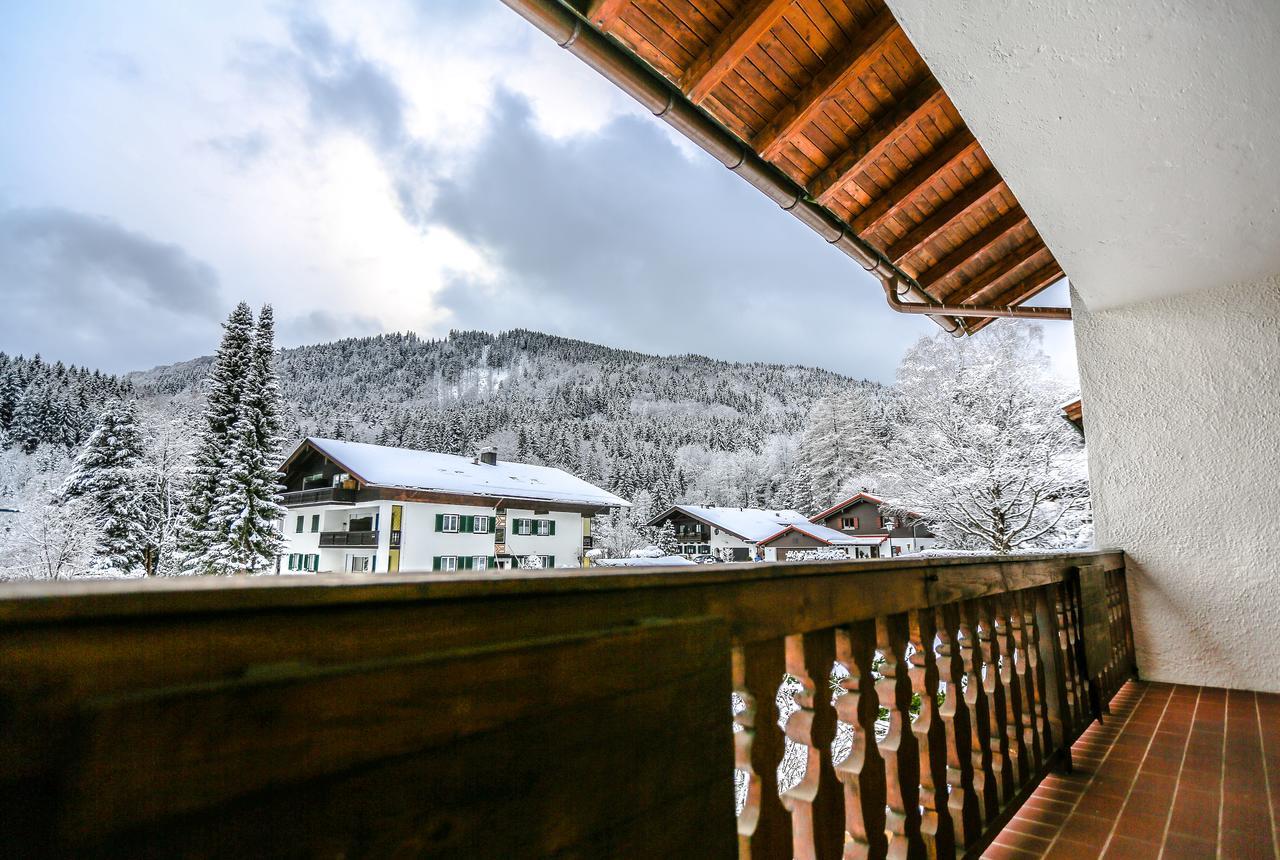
[
  {"x": 935, "y": 816},
  {"x": 898, "y": 747},
  {"x": 764, "y": 826},
  {"x": 1057, "y": 710},
  {"x": 963, "y": 783},
  {"x": 862, "y": 772},
  {"x": 986, "y": 778},
  {"x": 816, "y": 803}
]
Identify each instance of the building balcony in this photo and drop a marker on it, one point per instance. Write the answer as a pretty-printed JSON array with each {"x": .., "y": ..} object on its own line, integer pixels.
[
  {"x": 263, "y": 716},
  {"x": 321, "y": 496},
  {"x": 330, "y": 540}
]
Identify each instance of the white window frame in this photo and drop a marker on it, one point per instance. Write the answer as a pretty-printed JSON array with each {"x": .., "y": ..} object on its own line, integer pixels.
[
  {"x": 544, "y": 528},
  {"x": 444, "y": 524},
  {"x": 477, "y": 521},
  {"x": 449, "y": 563},
  {"x": 524, "y": 526},
  {"x": 479, "y": 562}
]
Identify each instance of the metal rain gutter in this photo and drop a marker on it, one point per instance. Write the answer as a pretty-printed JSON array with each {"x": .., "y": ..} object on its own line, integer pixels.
[{"x": 579, "y": 37}]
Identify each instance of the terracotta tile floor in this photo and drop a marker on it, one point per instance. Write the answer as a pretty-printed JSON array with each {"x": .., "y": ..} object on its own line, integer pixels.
[{"x": 1174, "y": 772}]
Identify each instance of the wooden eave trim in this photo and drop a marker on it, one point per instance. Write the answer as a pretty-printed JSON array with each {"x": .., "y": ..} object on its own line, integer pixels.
[
  {"x": 971, "y": 197},
  {"x": 308, "y": 443},
  {"x": 942, "y": 159},
  {"x": 909, "y": 111},
  {"x": 719, "y": 57},
  {"x": 979, "y": 243},
  {"x": 409, "y": 494},
  {"x": 834, "y": 76},
  {"x": 1028, "y": 287}
]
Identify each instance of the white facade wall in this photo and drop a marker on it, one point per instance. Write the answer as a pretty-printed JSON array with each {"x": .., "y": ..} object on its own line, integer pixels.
[
  {"x": 565, "y": 544},
  {"x": 1182, "y": 415},
  {"x": 420, "y": 543}
]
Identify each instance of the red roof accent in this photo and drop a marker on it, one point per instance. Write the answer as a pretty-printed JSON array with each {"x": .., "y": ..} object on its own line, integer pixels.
[{"x": 846, "y": 503}]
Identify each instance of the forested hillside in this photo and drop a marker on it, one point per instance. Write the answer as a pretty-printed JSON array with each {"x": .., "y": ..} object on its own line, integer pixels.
[{"x": 654, "y": 427}]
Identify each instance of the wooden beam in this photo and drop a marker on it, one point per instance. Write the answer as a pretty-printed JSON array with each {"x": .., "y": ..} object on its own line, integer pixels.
[
  {"x": 603, "y": 13},
  {"x": 835, "y": 75},
  {"x": 977, "y": 244},
  {"x": 914, "y": 106},
  {"x": 942, "y": 220},
  {"x": 715, "y": 62},
  {"x": 942, "y": 159},
  {"x": 994, "y": 274}
]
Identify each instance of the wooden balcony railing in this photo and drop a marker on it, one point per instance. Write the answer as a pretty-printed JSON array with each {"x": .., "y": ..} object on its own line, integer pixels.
[
  {"x": 341, "y": 539},
  {"x": 321, "y": 496},
  {"x": 575, "y": 713}
]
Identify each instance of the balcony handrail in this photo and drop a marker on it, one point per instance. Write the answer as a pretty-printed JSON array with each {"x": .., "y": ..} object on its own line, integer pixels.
[{"x": 573, "y": 669}]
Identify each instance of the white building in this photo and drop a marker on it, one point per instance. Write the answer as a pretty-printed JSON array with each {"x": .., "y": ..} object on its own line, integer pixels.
[
  {"x": 360, "y": 507},
  {"x": 712, "y": 530}
]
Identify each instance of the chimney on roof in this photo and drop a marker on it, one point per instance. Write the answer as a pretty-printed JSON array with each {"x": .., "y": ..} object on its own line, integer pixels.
[{"x": 487, "y": 456}]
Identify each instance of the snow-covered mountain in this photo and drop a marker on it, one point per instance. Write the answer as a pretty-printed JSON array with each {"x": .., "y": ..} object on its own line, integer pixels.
[{"x": 672, "y": 426}]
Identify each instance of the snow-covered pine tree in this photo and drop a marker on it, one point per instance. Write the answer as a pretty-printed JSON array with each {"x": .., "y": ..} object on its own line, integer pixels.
[
  {"x": 204, "y": 541},
  {"x": 104, "y": 479},
  {"x": 666, "y": 539},
  {"x": 245, "y": 511}
]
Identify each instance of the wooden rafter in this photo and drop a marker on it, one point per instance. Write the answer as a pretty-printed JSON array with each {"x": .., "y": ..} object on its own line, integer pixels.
[
  {"x": 833, "y": 77},
  {"x": 604, "y": 12},
  {"x": 747, "y": 28},
  {"x": 942, "y": 159},
  {"x": 918, "y": 103},
  {"x": 977, "y": 244},
  {"x": 974, "y": 195},
  {"x": 971, "y": 290}
]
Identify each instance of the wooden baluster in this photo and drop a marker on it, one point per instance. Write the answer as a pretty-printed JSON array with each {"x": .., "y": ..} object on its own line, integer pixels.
[
  {"x": 935, "y": 818},
  {"x": 1023, "y": 630},
  {"x": 986, "y": 785},
  {"x": 963, "y": 802},
  {"x": 1033, "y": 678},
  {"x": 862, "y": 771},
  {"x": 1057, "y": 710},
  {"x": 898, "y": 748},
  {"x": 816, "y": 802},
  {"x": 1008, "y": 629},
  {"x": 764, "y": 827},
  {"x": 997, "y": 715},
  {"x": 1071, "y": 633},
  {"x": 1131, "y": 659}
]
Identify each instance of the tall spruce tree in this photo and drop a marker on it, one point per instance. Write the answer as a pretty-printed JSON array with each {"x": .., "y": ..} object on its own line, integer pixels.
[
  {"x": 246, "y": 498},
  {"x": 205, "y": 537},
  {"x": 104, "y": 478}
]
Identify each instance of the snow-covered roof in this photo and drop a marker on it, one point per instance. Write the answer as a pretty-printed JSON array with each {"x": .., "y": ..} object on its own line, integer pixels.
[
  {"x": 384, "y": 466},
  {"x": 750, "y": 524},
  {"x": 660, "y": 561},
  {"x": 833, "y": 537}
]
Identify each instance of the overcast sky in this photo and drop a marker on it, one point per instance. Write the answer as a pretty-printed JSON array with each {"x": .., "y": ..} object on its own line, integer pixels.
[{"x": 387, "y": 166}]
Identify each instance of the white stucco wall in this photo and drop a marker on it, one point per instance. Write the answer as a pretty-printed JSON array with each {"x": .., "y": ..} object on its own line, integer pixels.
[{"x": 1182, "y": 413}]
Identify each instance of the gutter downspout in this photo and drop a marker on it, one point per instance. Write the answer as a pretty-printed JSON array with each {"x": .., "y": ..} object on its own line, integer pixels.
[{"x": 931, "y": 307}]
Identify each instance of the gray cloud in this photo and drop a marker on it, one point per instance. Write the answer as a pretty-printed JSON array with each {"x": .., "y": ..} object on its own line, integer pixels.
[
  {"x": 347, "y": 91},
  {"x": 620, "y": 238},
  {"x": 87, "y": 290},
  {"x": 241, "y": 149}
]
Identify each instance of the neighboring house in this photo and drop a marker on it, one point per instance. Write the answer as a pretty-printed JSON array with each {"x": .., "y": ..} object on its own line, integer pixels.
[
  {"x": 860, "y": 516},
  {"x": 360, "y": 507},
  {"x": 732, "y": 532},
  {"x": 1073, "y": 412},
  {"x": 797, "y": 538}
]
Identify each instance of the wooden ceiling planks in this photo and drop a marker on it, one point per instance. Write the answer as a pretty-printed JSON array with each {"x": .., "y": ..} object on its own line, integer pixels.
[{"x": 833, "y": 94}]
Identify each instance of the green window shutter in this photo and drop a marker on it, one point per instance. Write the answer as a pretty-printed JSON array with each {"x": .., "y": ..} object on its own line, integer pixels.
[
  {"x": 315, "y": 561},
  {"x": 493, "y": 562},
  {"x": 373, "y": 563},
  {"x": 291, "y": 561},
  {"x": 435, "y": 562},
  {"x": 551, "y": 561},
  {"x": 467, "y": 524},
  {"x": 439, "y": 528},
  {"x": 553, "y": 527}
]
